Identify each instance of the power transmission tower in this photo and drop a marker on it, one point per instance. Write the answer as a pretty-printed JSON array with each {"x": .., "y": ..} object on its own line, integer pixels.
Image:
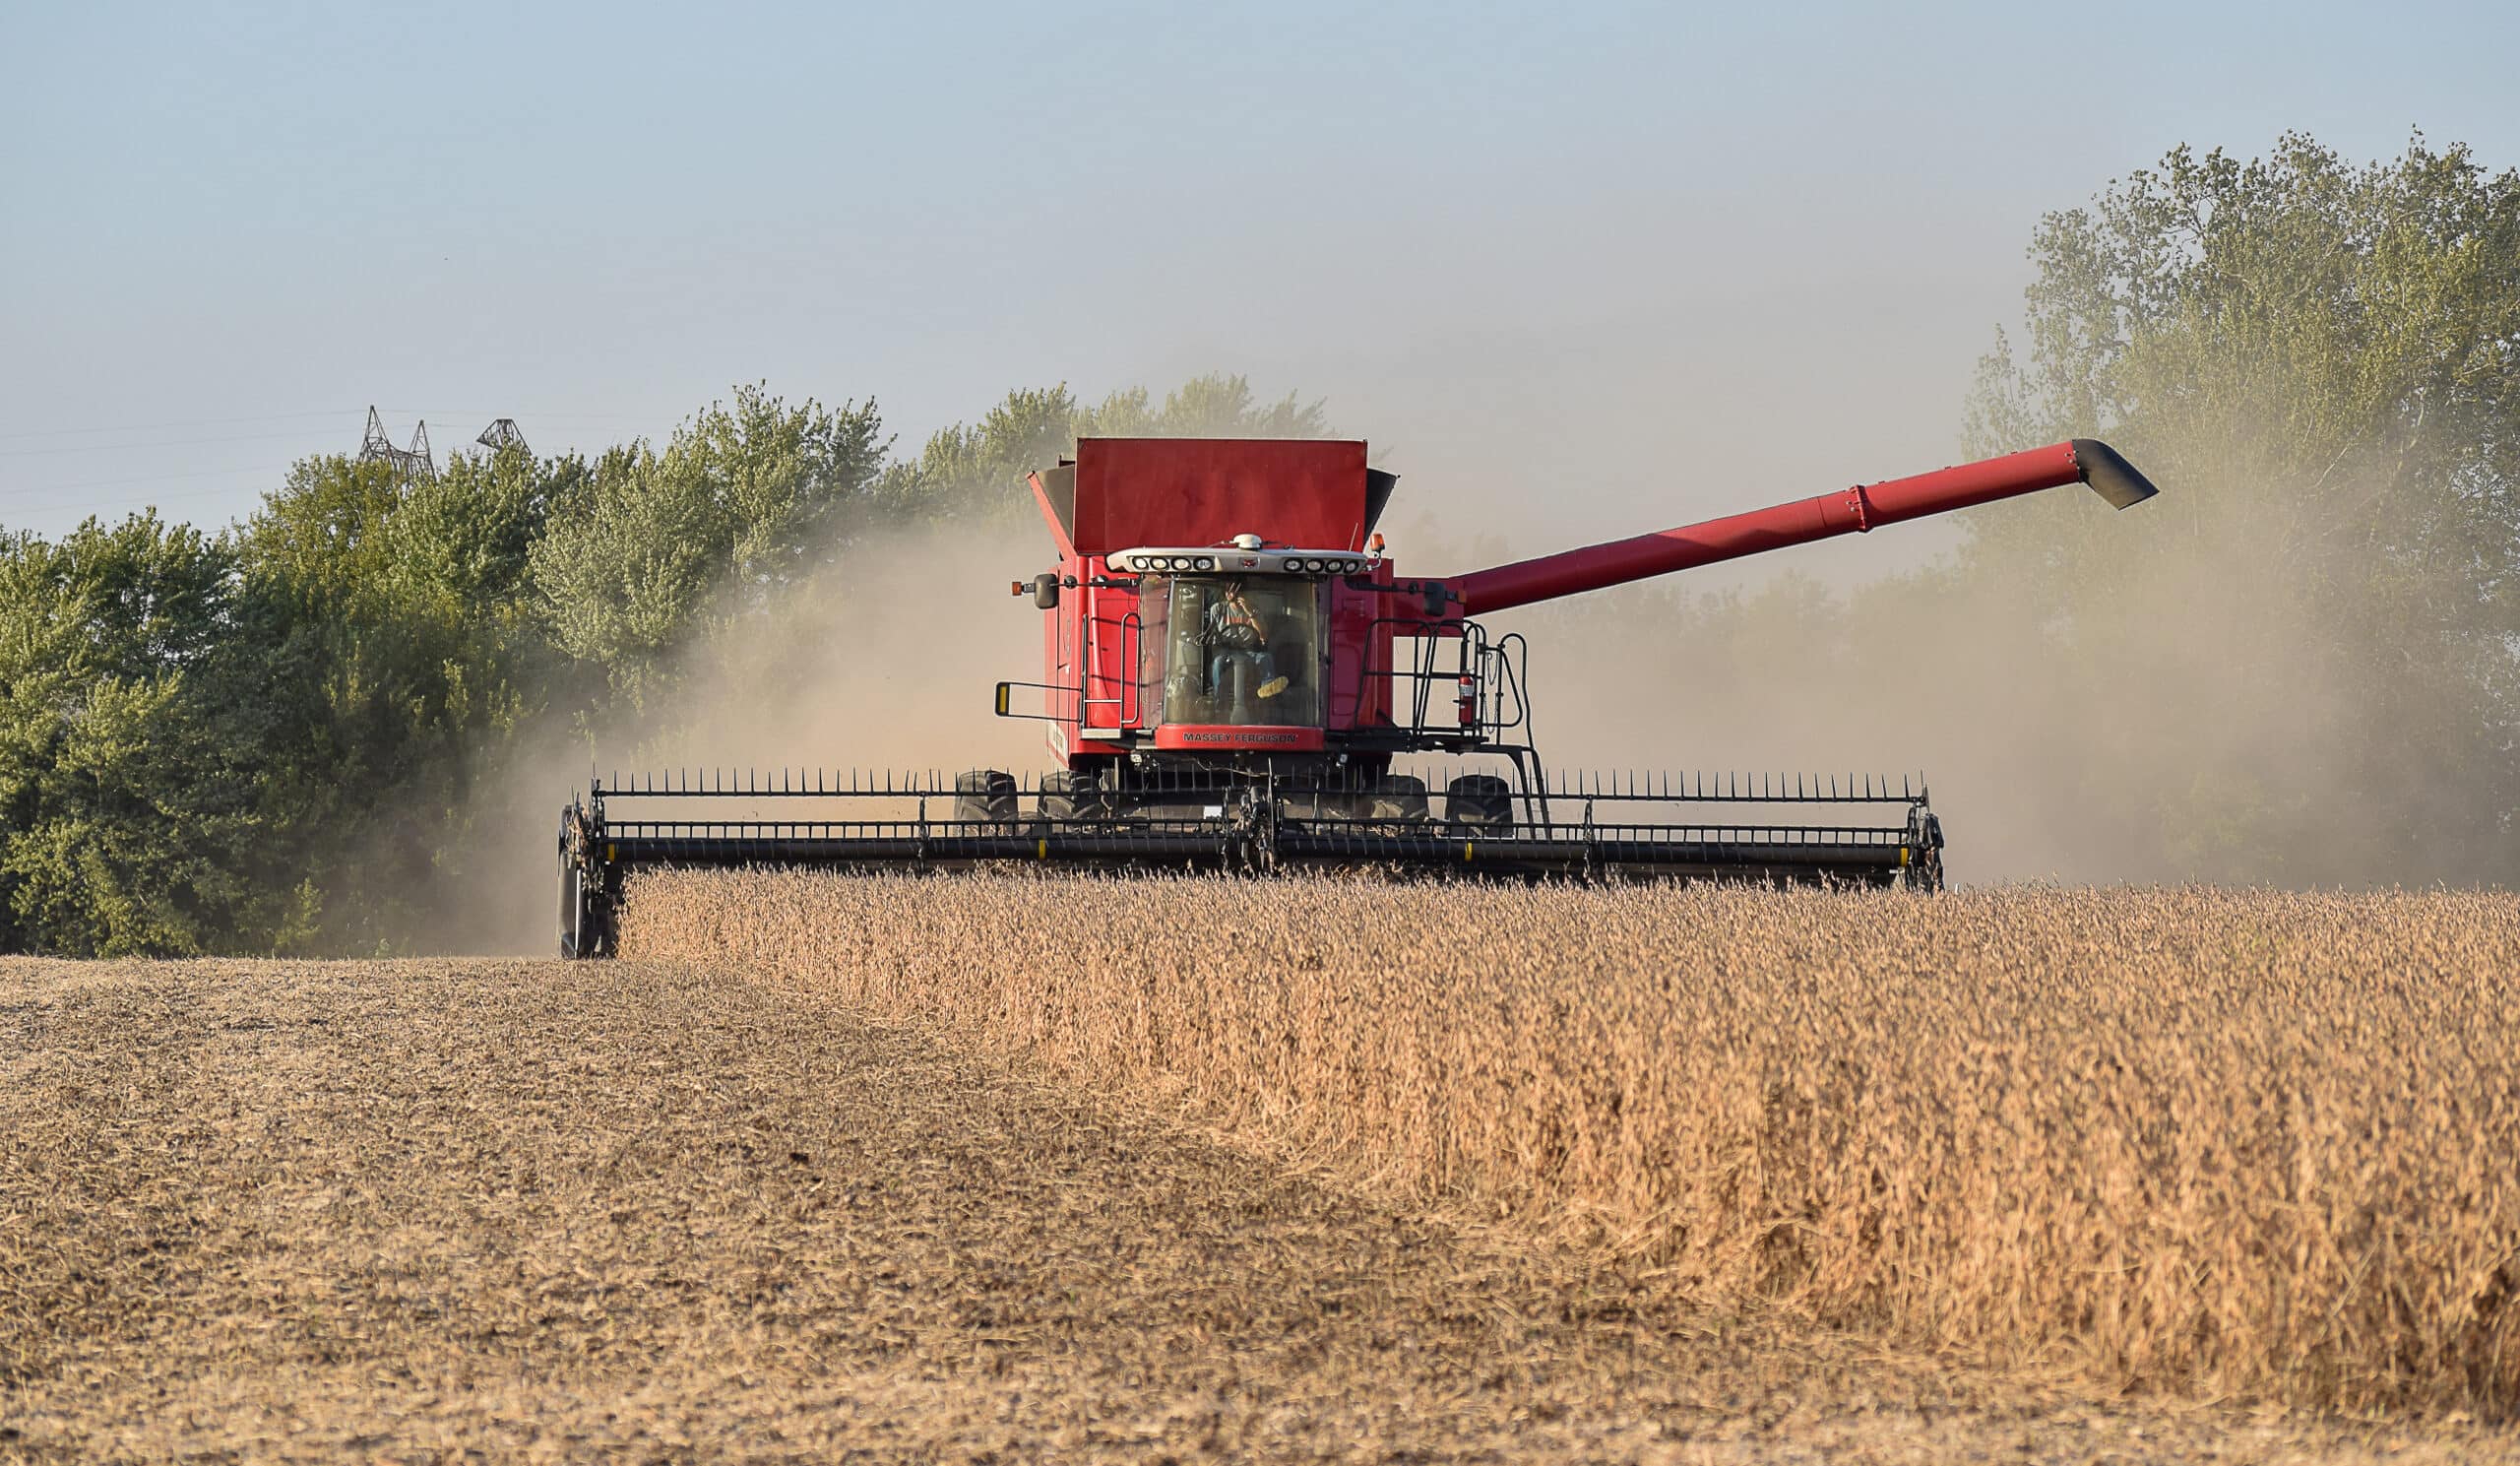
[
  {"x": 501, "y": 434},
  {"x": 414, "y": 462}
]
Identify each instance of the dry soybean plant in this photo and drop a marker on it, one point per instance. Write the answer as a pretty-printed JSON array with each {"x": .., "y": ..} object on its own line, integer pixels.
[{"x": 2219, "y": 1143}]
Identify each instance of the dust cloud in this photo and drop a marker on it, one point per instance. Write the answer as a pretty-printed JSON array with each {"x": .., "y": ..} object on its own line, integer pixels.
[
  {"x": 884, "y": 660},
  {"x": 2197, "y": 709},
  {"x": 2186, "y": 690}
]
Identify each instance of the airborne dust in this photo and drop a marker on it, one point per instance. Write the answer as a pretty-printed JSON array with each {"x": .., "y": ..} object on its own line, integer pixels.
[
  {"x": 2196, "y": 730},
  {"x": 887, "y": 660}
]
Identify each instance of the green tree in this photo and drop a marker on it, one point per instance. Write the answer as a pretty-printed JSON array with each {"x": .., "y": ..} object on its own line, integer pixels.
[
  {"x": 127, "y": 789},
  {"x": 743, "y": 502},
  {"x": 2320, "y": 361},
  {"x": 397, "y": 652},
  {"x": 1216, "y": 406},
  {"x": 279, "y": 738},
  {"x": 972, "y": 473}
]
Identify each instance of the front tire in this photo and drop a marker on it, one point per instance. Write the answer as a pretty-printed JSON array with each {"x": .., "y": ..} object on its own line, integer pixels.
[
  {"x": 985, "y": 796},
  {"x": 1479, "y": 802},
  {"x": 1068, "y": 795}
]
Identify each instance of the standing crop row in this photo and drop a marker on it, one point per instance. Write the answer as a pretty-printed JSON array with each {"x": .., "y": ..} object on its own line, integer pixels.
[{"x": 2199, "y": 1141}]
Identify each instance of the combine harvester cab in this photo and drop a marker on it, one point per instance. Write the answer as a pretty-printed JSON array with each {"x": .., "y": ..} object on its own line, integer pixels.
[{"x": 1234, "y": 673}]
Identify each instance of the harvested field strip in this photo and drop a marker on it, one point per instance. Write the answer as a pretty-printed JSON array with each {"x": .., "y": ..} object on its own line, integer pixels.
[
  {"x": 2218, "y": 1143},
  {"x": 535, "y": 1211}
]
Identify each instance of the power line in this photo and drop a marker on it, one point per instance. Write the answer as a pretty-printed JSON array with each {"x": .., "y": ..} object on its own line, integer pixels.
[
  {"x": 66, "y": 433},
  {"x": 147, "y": 500},
  {"x": 15, "y": 435},
  {"x": 502, "y": 432},
  {"x": 251, "y": 437},
  {"x": 482, "y": 411},
  {"x": 146, "y": 478}
]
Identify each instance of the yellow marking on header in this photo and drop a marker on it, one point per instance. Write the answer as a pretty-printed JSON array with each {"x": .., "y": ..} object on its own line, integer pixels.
[
  {"x": 611, "y": 853},
  {"x": 1903, "y": 855},
  {"x": 1041, "y": 848},
  {"x": 1465, "y": 852}
]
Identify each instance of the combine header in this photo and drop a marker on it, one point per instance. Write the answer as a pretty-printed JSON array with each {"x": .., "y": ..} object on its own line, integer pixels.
[{"x": 1233, "y": 671}]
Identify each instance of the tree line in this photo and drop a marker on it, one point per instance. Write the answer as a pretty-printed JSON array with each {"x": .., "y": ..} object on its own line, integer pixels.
[{"x": 268, "y": 738}]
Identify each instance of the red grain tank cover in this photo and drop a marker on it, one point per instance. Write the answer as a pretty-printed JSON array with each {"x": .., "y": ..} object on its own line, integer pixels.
[{"x": 1130, "y": 491}]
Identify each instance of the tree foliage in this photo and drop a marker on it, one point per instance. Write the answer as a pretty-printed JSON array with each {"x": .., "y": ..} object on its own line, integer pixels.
[
  {"x": 275, "y": 738},
  {"x": 119, "y": 727},
  {"x": 964, "y": 474},
  {"x": 742, "y": 501},
  {"x": 2320, "y": 361}
]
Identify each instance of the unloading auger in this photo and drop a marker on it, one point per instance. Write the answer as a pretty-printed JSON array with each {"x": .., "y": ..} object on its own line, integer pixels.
[{"x": 1234, "y": 672}]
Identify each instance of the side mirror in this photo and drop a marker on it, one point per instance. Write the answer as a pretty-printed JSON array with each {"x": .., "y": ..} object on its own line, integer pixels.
[
  {"x": 1045, "y": 591},
  {"x": 1005, "y": 692}
]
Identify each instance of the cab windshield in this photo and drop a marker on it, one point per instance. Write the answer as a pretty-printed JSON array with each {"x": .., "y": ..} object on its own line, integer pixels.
[{"x": 1238, "y": 649}]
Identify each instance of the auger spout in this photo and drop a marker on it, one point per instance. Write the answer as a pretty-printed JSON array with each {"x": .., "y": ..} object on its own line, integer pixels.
[{"x": 1847, "y": 511}]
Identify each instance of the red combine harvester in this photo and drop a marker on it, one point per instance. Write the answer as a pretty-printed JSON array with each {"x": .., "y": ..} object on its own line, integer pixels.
[{"x": 1234, "y": 672}]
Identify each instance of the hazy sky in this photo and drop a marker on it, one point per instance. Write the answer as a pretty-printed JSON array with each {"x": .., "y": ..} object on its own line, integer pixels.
[{"x": 1577, "y": 270}]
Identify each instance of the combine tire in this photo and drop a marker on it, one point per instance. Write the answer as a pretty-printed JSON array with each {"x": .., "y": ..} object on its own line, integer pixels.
[
  {"x": 1480, "y": 802},
  {"x": 985, "y": 796},
  {"x": 1068, "y": 796},
  {"x": 1399, "y": 797}
]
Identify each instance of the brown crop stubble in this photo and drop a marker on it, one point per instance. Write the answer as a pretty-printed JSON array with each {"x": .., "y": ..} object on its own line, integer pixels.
[{"x": 2221, "y": 1143}]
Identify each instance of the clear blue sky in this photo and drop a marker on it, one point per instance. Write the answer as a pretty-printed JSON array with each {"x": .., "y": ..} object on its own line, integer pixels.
[{"x": 1576, "y": 268}]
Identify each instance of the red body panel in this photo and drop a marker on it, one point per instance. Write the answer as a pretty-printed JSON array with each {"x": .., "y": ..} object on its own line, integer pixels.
[
  {"x": 1132, "y": 491},
  {"x": 1359, "y": 646}
]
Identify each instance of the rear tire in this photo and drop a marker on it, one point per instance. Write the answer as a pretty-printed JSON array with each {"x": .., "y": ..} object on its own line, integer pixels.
[
  {"x": 1480, "y": 802},
  {"x": 985, "y": 796},
  {"x": 1398, "y": 798}
]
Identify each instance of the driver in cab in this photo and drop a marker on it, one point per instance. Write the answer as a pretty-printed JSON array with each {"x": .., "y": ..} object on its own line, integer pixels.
[{"x": 1238, "y": 648}]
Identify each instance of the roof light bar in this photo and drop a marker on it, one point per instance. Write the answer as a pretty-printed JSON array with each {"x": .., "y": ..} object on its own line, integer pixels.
[{"x": 1237, "y": 561}]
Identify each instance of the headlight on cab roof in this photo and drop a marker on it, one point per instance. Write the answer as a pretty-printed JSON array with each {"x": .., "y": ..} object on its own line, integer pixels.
[{"x": 1148, "y": 561}]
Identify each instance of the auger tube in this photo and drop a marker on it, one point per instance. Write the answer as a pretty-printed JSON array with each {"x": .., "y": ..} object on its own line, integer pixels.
[{"x": 1847, "y": 511}]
